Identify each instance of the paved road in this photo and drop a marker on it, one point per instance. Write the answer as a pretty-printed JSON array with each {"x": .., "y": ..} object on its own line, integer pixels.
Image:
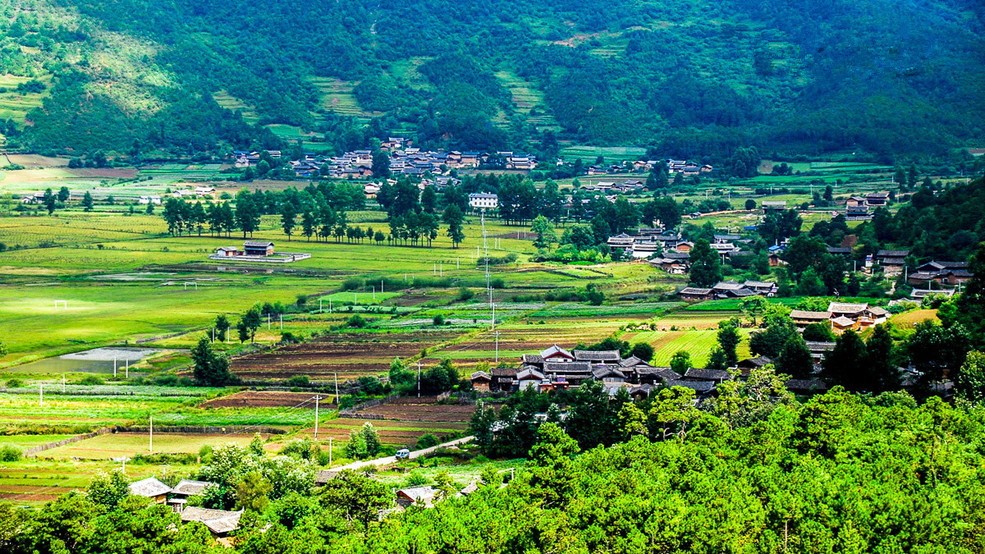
[{"x": 393, "y": 459}]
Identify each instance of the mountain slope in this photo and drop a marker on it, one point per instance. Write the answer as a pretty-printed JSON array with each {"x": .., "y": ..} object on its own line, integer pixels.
[{"x": 689, "y": 77}]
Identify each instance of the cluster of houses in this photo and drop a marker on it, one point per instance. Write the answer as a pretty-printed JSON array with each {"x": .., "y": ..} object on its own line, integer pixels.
[
  {"x": 404, "y": 159},
  {"x": 611, "y": 187},
  {"x": 668, "y": 250},
  {"x": 558, "y": 369},
  {"x": 687, "y": 168},
  {"x": 857, "y": 208},
  {"x": 730, "y": 289},
  {"x": 220, "y": 522},
  {"x": 649, "y": 243},
  {"x": 842, "y": 316}
]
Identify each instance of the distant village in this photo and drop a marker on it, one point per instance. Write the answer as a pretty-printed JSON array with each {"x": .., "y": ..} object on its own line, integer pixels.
[{"x": 405, "y": 159}]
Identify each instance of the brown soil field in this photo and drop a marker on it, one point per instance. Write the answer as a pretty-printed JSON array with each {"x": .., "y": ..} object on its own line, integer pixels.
[
  {"x": 264, "y": 399},
  {"x": 34, "y": 161},
  {"x": 423, "y": 410},
  {"x": 350, "y": 355},
  {"x": 32, "y": 493},
  {"x": 397, "y": 433}
]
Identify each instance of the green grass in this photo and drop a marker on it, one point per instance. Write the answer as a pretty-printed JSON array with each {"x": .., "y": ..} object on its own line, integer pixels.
[
  {"x": 116, "y": 445},
  {"x": 612, "y": 154}
]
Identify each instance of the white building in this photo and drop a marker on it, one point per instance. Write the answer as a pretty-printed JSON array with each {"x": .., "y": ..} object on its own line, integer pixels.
[{"x": 483, "y": 200}]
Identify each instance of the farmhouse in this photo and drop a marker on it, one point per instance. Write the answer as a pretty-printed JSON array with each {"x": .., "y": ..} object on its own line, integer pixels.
[
  {"x": 771, "y": 205},
  {"x": 184, "y": 489},
  {"x": 731, "y": 289},
  {"x": 941, "y": 273},
  {"x": 675, "y": 263},
  {"x": 857, "y": 208},
  {"x": 892, "y": 261},
  {"x": 417, "y": 496},
  {"x": 151, "y": 488},
  {"x": 483, "y": 201},
  {"x": 481, "y": 381},
  {"x": 258, "y": 248},
  {"x": 803, "y": 318},
  {"x": 219, "y": 522},
  {"x": 694, "y": 293}
]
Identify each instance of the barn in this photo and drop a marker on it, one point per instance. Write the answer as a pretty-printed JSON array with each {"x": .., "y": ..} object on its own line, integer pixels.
[{"x": 258, "y": 248}]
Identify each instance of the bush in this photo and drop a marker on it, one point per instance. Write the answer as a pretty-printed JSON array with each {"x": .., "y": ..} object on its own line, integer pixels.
[
  {"x": 14, "y": 383},
  {"x": 427, "y": 441},
  {"x": 439, "y": 319},
  {"x": 298, "y": 381},
  {"x": 356, "y": 321},
  {"x": 91, "y": 380},
  {"x": 416, "y": 479},
  {"x": 10, "y": 454}
]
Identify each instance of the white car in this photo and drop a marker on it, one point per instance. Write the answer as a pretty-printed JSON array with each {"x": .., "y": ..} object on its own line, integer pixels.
[{"x": 403, "y": 454}]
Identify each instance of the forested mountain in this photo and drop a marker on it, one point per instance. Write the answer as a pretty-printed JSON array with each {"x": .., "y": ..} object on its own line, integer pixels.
[{"x": 687, "y": 77}]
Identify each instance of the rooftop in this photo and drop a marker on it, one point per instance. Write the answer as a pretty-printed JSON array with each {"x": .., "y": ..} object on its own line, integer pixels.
[
  {"x": 149, "y": 488},
  {"x": 219, "y": 522}
]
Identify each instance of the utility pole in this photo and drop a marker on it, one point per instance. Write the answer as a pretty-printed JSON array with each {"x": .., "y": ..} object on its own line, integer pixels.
[
  {"x": 418, "y": 378},
  {"x": 497, "y": 347},
  {"x": 114, "y": 366},
  {"x": 41, "y": 395},
  {"x": 127, "y": 368},
  {"x": 281, "y": 322},
  {"x": 336, "y": 387},
  {"x": 317, "y": 398},
  {"x": 151, "y": 436}
]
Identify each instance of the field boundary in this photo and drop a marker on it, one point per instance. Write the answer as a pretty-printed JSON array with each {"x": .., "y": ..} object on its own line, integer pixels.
[
  {"x": 202, "y": 430},
  {"x": 34, "y": 450}
]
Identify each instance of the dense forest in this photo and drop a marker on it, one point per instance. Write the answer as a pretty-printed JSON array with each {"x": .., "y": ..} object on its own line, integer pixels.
[{"x": 687, "y": 78}]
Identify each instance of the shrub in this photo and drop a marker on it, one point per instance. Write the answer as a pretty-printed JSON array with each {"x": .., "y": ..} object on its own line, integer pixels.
[
  {"x": 91, "y": 380},
  {"x": 439, "y": 319},
  {"x": 356, "y": 321},
  {"x": 427, "y": 441},
  {"x": 10, "y": 453},
  {"x": 298, "y": 381},
  {"x": 416, "y": 479}
]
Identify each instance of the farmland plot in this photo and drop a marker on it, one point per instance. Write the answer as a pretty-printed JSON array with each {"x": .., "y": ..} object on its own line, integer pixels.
[{"x": 350, "y": 355}]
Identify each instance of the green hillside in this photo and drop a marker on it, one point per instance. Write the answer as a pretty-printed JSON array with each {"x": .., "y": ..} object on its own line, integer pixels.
[{"x": 690, "y": 78}]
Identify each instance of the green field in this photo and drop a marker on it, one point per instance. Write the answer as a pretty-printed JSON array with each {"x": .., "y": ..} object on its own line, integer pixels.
[
  {"x": 116, "y": 445},
  {"x": 612, "y": 154}
]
